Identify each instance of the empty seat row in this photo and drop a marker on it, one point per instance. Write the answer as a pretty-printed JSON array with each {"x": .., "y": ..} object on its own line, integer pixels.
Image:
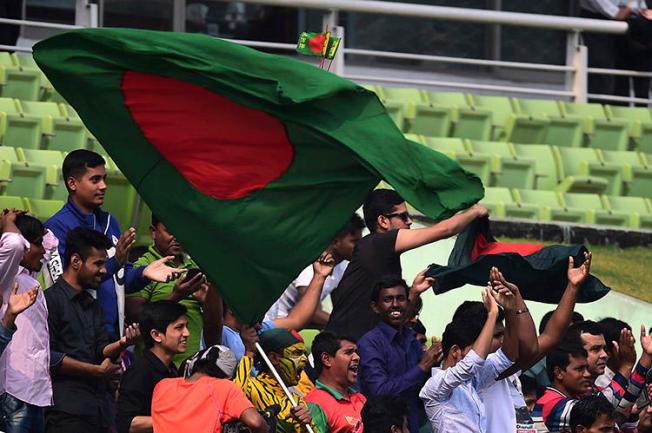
[
  {"x": 20, "y": 77},
  {"x": 545, "y": 167},
  {"x": 42, "y": 209},
  {"x": 517, "y": 120},
  {"x": 631, "y": 212}
]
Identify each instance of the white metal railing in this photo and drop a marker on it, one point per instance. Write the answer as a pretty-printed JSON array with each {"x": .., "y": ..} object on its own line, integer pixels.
[{"x": 575, "y": 70}]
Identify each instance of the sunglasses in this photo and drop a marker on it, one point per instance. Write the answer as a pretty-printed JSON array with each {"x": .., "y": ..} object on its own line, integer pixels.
[{"x": 405, "y": 216}]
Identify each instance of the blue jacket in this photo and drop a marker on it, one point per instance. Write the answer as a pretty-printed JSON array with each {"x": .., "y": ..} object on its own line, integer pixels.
[{"x": 111, "y": 292}]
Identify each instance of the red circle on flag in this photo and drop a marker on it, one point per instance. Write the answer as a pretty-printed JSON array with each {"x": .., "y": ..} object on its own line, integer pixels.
[{"x": 224, "y": 149}]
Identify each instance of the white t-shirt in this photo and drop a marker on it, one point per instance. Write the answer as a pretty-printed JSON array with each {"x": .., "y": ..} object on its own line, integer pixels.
[{"x": 290, "y": 297}]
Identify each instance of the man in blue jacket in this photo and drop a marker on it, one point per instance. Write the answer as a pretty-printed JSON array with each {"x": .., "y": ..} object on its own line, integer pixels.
[{"x": 85, "y": 177}]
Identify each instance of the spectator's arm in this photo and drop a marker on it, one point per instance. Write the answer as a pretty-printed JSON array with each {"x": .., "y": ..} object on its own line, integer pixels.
[
  {"x": 12, "y": 249},
  {"x": 141, "y": 424},
  {"x": 440, "y": 386},
  {"x": 71, "y": 367},
  {"x": 410, "y": 239},
  {"x": 320, "y": 318},
  {"x": 304, "y": 310},
  {"x": 213, "y": 317},
  {"x": 253, "y": 420}
]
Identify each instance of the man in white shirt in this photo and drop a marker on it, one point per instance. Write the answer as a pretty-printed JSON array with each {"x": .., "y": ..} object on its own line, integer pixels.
[{"x": 341, "y": 249}]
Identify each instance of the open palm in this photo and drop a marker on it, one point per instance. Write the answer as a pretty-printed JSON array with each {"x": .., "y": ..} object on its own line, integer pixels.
[
  {"x": 18, "y": 303},
  {"x": 646, "y": 341},
  {"x": 577, "y": 276}
]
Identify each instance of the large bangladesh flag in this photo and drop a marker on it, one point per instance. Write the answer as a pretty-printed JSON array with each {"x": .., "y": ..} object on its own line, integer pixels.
[{"x": 253, "y": 161}]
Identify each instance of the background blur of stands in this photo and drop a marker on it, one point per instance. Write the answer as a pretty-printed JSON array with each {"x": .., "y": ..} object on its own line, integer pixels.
[{"x": 542, "y": 152}]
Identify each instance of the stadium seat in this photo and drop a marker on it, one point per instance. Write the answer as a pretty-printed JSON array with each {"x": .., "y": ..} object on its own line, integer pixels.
[
  {"x": 27, "y": 61},
  {"x": 12, "y": 202},
  {"x": 501, "y": 111},
  {"x": 17, "y": 128},
  {"x": 52, "y": 160},
  {"x": 456, "y": 149},
  {"x": 640, "y": 124},
  {"x": 62, "y": 132},
  {"x": 308, "y": 336},
  {"x": 595, "y": 213},
  {"x": 582, "y": 170},
  {"x": 546, "y": 172},
  {"x": 603, "y": 133},
  {"x": 421, "y": 117},
  {"x": 639, "y": 210},
  {"x": 44, "y": 209},
  {"x": 636, "y": 174},
  {"x": 468, "y": 121},
  {"x": 17, "y": 81},
  {"x": 560, "y": 131},
  {"x": 20, "y": 178},
  {"x": 508, "y": 170},
  {"x": 500, "y": 203},
  {"x": 551, "y": 205}
]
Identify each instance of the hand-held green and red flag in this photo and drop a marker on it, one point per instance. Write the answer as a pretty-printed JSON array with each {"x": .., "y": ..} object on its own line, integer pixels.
[
  {"x": 253, "y": 161},
  {"x": 538, "y": 270}
]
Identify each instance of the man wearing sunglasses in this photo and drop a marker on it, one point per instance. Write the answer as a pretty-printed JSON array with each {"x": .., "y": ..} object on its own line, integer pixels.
[{"x": 379, "y": 253}]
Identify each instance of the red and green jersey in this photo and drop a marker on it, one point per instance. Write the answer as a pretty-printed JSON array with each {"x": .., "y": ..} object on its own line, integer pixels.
[{"x": 342, "y": 411}]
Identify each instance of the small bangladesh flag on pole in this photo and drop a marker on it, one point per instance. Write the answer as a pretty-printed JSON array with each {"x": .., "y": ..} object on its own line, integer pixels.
[
  {"x": 253, "y": 161},
  {"x": 318, "y": 44}
]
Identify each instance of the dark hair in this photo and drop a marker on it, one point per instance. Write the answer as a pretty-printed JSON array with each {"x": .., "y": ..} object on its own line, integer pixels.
[
  {"x": 354, "y": 224},
  {"x": 529, "y": 385},
  {"x": 587, "y": 410},
  {"x": 31, "y": 228},
  {"x": 611, "y": 328},
  {"x": 157, "y": 316},
  {"x": 155, "y": 220},
  {"x": 475, "y": 311},
  {"x": 571, "y": 346},
  {"x": 386, "y": 282},
  {"x": 326, "y": 342},
  {"x": 78, "y": 161},
  {"x": 419, "y": 328},
  {"x": 381, "y": 412},
  {"x": 585, "y": 327},
  {"x": 461, "y": 333},
  {"x": 379, "y": 202},
  {"x": 577, "y": 317},
  {"x": 81, "y": 240}
]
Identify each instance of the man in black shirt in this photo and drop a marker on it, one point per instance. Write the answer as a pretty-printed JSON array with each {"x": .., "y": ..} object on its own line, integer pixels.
[
  {"x": 164, "y": 327},
  {"x": 81, "y": 353},
  {"x": 379, "y": 253}
]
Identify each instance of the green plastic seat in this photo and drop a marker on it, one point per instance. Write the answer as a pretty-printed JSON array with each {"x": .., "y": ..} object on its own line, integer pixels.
[
  {"x": 17, "y": 128},
  {"x": 52, "y": 160},
  {"x": 602, "y": 132},
  {"x": 44, "y": 209},
  {"x": 500, "y": 203},
  {"x": 582, "y": 170},
  {"x": 457, "y": 149},
  {"x": 636, "y": 173},
  {"x": 560, "y": 130},
  {"x": 639, "y": 210},
  {"x": 18, "y": 178},
  {"x": 468, "y": 121},
  {"x": 640, "y": 124},
  {"x": 27, "y": 61},
  {"x": 595, "y": 212},
  {"x": 546, "y": 172},
  {"x": 308, "y": 336},
  {"x": 17, "y": 81},
  {"x": 508, "y": 169},
  {"x": 12, "y": 202},
  {"x": 501, "y": 113},
  {"x": 551, "y": 205},
  {"x": 64, "y": 133},
  {"x": 411, "y": 112}
]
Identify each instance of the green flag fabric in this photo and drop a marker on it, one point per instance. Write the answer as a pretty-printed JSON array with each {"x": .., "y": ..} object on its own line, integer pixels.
[{"x": 253, "y": 161}]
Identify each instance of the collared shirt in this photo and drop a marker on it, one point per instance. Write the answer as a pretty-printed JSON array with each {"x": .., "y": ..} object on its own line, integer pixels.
[
  {"x": 451, "y": 397},
  {"x": 76, "y": 330},
  {"x": 342, "y": 411},
  {"x": 389, "y": 364},
  {"x": 157, "y": 291},
  {"x": 137, "y": 387},
  {"x": 610, "y": 8},
  {"x": 27, "y": 356}
]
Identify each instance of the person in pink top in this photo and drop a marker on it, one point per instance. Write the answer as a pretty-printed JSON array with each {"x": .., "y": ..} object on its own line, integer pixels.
[{"x": 25, "y": 386}]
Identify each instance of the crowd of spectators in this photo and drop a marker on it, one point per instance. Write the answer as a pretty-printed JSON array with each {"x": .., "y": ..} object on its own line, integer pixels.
[{"x": 92, "y": 342}]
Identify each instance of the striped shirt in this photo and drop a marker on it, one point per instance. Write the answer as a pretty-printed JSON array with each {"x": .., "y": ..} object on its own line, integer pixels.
[{"x": 264, "y": 391}]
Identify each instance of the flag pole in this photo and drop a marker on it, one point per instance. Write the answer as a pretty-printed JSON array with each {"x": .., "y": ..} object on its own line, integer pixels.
[{"x": 279, "y": 380}]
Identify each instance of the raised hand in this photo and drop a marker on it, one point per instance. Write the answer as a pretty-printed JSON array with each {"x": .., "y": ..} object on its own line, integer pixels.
[
  {"x": 18, "y": 303},
  {"x": 186, "y": 287},
  {"x": 497, "y": 277},
  {"x": 646, "y": 341},
  {"x": 324, "y": 264},
  {"x": 480, "y": 210},
  {"x": 431, "y": 357},
  {"x": 159, "y": 271},
  {"x": 249, "y": 338},
  {"x": 8, "y": 219},
  {"x": 124, "y": 245},
  {"x": 200, "y": 295},
  {"x": 577, "y": 276},
  {"x": 489, "y": 302},
  {"x": 624, "y": 350},
  {"x": 421, "y": 283},
  {"x": 132, "y": 335},
  {"x": 503, "y": 296}
]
